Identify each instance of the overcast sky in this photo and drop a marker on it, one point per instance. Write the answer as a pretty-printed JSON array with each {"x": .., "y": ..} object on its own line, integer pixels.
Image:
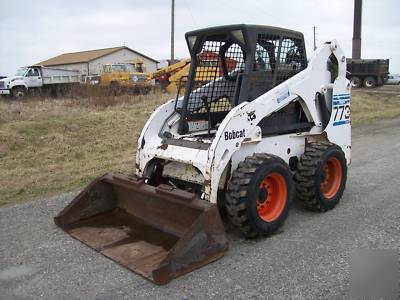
[{"x": 35, "y": 30}]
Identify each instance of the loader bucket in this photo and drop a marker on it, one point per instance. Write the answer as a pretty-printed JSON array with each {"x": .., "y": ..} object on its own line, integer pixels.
[{"x": 158, "y": 232}]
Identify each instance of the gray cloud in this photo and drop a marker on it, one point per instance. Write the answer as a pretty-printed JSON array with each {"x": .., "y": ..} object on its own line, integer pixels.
[{"x": 31, "y": 31}]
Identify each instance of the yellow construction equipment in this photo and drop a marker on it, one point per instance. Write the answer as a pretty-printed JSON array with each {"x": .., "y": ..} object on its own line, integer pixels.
[
  {"x": 169, "y": 77},
  {"x": 126, "y": 77},
  {"x": 174, "y": 76}
]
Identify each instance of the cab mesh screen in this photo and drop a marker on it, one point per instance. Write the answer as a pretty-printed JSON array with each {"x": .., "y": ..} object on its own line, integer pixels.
[
  {"x": 212, "y": 89},
  {"x": 276, "y": 59},
  {"x": 281, "y": 56}
]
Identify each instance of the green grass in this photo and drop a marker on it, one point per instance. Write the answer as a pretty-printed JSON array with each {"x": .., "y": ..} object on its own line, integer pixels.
[{"x": 52, "y": 146}]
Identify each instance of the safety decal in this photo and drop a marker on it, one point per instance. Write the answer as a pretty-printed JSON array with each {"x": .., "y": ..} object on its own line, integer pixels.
[
  {"x": 341, "y": 109},
  {"x": 283, "y": 96}
]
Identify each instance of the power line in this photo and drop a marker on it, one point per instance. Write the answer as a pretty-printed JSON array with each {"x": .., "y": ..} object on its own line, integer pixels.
[{"x": 187, "y": 5}]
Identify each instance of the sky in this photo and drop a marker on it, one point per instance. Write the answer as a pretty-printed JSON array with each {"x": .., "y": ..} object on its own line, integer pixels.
[{"x": 35, "y": 30}]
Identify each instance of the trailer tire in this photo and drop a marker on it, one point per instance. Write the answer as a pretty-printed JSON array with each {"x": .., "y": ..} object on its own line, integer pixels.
[
  {"x": 18, "y": 92},
  {"x": 321, "y": 176},
  {"x": 370, "y": 82},
  {"x": 115, "y": 88},
  {"x": 355, "y": 82},
  {"x": 259, "y": 195}
]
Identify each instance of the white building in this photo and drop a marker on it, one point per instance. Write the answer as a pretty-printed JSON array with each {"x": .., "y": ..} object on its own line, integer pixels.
[{"x": 90, "y": 62}]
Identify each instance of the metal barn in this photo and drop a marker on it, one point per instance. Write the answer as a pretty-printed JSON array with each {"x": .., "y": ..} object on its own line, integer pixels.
[{"x": 90, "y": 62}]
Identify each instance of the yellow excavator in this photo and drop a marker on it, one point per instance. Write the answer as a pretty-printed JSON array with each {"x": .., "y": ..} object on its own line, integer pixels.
[
  {"x": 173, "y": 78},
  {"x": 169, "y": 77},
  {"x": 126, "y": 77}
]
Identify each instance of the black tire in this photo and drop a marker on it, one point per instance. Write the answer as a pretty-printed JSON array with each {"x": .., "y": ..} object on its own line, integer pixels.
[
  {"x": 250, "y": 205},
  {"x": 115, "y": 88},
  {"x": 321, "y": 190},
  {"x": 370, "y": 82},
  {"x": 355, "y": 82},
  {"x": 18, "y": 92}
]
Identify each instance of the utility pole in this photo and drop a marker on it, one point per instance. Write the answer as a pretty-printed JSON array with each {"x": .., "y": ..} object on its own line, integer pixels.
[
  {"x": 315, "y": 44},
  {"x": 172, "y": 30},
  {"x": 356, "y": 51}
]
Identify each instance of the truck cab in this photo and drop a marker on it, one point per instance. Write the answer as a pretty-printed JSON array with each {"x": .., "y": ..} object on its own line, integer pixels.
[
  {"x": 129, "y": 76},
  {"x": 25, "y": 78},
  {"x": 33, "y": 77}
]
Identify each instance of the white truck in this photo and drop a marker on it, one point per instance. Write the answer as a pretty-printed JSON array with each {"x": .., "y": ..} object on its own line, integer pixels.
[{"x": 32, "y": 78}]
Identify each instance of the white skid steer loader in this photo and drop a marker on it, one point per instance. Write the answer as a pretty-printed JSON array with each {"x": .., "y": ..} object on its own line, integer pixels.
[{"x": 257, "y": 124}]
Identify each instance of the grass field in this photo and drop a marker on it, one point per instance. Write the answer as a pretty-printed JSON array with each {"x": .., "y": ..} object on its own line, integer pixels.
[{"x": 52, "y": 146}]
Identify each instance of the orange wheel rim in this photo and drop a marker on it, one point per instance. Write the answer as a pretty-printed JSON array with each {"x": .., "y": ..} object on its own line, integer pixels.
[
  {"x": 271, "y": 198},
  {"x": 331, "y": 177}
]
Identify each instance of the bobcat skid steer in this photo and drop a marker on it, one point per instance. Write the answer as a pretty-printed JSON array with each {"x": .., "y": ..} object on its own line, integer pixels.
[{"x": 257, "y": 124}]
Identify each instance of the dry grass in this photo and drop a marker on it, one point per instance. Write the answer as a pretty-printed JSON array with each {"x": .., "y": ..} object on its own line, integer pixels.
[
  {"x": 51, "y": 146},
  {"x": 368, "y": 106}
]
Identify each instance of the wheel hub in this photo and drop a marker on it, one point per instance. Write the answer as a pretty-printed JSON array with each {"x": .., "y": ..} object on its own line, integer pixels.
[
  {"x": 272, "y": 194},
  {"x": 262, "y": 195},
  {"x": 331, "y": 177}
]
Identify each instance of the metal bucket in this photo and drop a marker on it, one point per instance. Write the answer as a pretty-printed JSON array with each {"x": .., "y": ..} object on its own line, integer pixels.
[{"x": 158, "y": 232}]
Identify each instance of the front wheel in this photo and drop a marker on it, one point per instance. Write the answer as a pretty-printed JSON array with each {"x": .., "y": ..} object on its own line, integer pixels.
[
  {"x": 321, "y": 176},
  {"x": 259, "y": 195},
  {"x": 115, "y": 88},
  {"x": 18, "y": 92}
]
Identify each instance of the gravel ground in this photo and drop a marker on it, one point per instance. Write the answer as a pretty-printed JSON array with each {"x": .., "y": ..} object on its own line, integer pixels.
[{"x": 309, "y": 259}]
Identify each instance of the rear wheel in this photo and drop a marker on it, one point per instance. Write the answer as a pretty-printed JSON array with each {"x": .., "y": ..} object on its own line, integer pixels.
[
  {"x": 355, "y": 82},
  {"x": 321, "y": 176},
  {"x": 259, "y": 195},
  {"x": 369, "y": 82}
]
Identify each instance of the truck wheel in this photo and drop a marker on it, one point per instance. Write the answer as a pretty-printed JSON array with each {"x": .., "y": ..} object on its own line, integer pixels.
[
  {"x": 321, "y": 176},
  {"x": 259, "y": 195},
  {"x": 369, "y": 82},
  {"x": 18, "y": 92},
  {"x": 115, "y": 88},
  {"x": 355, "y": 82}
]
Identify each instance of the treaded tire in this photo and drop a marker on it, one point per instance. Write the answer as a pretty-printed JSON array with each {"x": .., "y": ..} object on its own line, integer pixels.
[
  {"x": 310, "y": 176},
  {"x": 355, "y": 82},
  {"x": 370, "y": 82},
  {"x": 243, "y": 193},
  {"x": 18, "y": 92}
]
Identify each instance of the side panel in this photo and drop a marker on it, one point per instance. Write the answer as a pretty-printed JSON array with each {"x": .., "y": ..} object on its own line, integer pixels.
[
  {"x": 150, "y": 143},
  {"x": 316, "y": 78},
  {"x": 339, "y": 126},
  {"x": 18, "y": 83},
  {"x": 284, "y": 146}
]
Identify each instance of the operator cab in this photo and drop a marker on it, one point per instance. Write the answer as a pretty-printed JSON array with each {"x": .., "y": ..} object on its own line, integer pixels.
[{"x": 233, "y": 64}]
